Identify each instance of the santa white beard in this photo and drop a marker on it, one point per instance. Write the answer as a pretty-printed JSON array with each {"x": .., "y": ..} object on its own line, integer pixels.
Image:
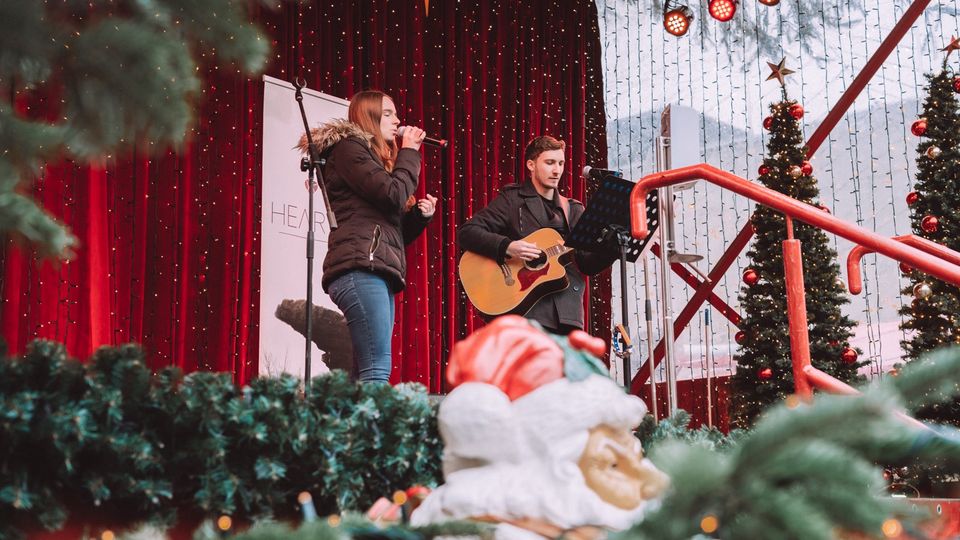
[
  {"x": 524, "y": 490},
  {"x": 515, "y": 460}
]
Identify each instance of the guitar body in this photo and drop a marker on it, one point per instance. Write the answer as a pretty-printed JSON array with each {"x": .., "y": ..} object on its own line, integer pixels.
[{"x": 515, "y": 286}]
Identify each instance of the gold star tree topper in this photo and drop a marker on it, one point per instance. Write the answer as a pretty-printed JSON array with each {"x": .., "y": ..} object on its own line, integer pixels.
[{"x": 779, "y": 71}]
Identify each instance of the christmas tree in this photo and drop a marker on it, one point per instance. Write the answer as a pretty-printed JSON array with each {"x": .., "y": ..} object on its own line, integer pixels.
[
  {"x": 931, "y": 317},
  {"x": 122, "y": 74},
  {"x": 764, "y": 370}
]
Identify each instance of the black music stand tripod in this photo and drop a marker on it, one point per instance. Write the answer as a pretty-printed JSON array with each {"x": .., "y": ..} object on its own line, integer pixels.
[{"x": 606, "y": 222}]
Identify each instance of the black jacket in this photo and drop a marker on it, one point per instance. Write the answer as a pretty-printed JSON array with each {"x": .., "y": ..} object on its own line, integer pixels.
[
  {"x": 370, "y": 205},
  {"x": 515, "y": 213}
]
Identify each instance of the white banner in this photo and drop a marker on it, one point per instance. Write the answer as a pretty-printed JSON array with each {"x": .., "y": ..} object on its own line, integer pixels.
[{"x": 283, "y": 267}]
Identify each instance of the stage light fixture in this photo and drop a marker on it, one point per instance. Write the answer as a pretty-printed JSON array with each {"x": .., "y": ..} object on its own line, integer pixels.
[
  {"x": 676, "y": 19},
  {"x": 769, "y": 2},
  {"x": 722, "y": 10}
]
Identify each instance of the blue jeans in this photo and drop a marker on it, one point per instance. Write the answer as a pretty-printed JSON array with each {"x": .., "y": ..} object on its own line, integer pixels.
[{"x": 367, "y": 304}]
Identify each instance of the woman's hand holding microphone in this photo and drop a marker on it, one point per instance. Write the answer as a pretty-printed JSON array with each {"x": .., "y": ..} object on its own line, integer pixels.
[{"x": 411, "y": 137}]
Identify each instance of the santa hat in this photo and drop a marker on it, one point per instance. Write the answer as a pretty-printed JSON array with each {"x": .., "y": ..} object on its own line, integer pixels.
[{"x": 517, "y": 356}]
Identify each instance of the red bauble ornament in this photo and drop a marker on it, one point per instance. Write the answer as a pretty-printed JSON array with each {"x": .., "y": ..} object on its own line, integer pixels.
[
  {"x": 912, "y": 197},
  {"x": 848, "y": 355},
  {"x": 919, "y": 127},
  {"x": 740, "y": 336},
  {"x": 930, "y": 224},
  {"x": 905, "y": 268},
  {"x": 834, "y": 343},
  {"x": 768, "y": 122},
  {"x": 765, "y": 373},
  {"x": 763, "y": 170},
  {"x": 806, "y": 168},
  {"x": 750, "y": 276},
  {"x": 796, "y": 111},
  {"x": 956, "y": 85}
]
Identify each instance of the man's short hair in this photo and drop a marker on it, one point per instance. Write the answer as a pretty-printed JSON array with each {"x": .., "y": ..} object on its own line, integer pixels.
[{"x": 541, "y": 144}]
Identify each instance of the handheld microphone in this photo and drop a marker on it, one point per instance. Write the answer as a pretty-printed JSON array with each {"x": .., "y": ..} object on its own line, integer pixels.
[
  {"x": 429, "y": 141},
  {"x": 592, "y": 172}
]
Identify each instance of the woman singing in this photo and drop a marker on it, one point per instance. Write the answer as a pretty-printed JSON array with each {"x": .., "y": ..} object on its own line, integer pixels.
[{"x": 370, "y": 183}]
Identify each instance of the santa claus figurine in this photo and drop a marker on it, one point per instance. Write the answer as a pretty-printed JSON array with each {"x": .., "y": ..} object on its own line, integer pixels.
[{"x": 538, "y": 439}]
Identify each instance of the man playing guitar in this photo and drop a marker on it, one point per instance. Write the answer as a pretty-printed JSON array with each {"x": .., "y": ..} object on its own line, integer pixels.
[{"x": 496, "y": 232}]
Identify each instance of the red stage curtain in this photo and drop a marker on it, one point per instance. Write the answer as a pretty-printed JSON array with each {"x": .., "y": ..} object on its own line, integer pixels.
[{"x": 170, "y": 245}]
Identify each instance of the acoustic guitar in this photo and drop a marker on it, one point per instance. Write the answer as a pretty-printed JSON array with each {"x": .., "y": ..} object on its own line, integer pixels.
[{"x": 516, "y": 285}]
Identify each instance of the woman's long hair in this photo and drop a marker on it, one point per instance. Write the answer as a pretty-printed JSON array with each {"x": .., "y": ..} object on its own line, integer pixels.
[{"x": 366, "y": 109}]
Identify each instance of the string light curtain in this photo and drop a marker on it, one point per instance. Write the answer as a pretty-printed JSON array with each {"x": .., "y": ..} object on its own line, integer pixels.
[
  {"x": 865, "y": 168},
  {"x": 170, "y": 245}
]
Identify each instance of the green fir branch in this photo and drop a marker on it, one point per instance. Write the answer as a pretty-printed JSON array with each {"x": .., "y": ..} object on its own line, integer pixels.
[{"x": 126, "y": 74}]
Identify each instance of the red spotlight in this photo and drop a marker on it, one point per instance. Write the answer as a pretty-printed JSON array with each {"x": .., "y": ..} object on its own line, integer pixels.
[
  {"x": 722, "y": 10},
  {"x": 677, "y": 19},
  {"x": 769, "y": 2}
]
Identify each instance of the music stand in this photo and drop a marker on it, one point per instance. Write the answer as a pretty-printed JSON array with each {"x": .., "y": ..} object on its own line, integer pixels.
[{"x": 606, "y": 220}]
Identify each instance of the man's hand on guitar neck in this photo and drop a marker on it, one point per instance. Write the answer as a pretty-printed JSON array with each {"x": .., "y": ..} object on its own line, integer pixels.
[{"x": 518, "y": 249}]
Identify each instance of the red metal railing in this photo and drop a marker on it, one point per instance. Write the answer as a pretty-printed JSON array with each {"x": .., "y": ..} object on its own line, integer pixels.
[
  {"x": 857, "y": 253},
  {"x": 805, "y": 375}
]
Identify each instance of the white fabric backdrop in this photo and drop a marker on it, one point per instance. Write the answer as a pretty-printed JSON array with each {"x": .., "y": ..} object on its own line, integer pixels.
[{"x": 283, "y": 270}]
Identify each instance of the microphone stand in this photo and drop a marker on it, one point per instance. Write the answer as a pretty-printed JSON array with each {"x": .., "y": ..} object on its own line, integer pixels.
[
  {"x": 621, "y": 236},
  {"x": 312, "y": 164}
]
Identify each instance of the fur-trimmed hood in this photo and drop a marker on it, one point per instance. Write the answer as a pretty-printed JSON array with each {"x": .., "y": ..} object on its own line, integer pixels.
[
  {"x": 369, "y": 202},
  {"x": 332, "y": 132}
]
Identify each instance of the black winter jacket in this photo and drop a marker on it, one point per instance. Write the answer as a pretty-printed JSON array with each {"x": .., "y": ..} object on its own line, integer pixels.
[
  {"x": 370, "y": 205},
  {"x": 515, "y": 213}
]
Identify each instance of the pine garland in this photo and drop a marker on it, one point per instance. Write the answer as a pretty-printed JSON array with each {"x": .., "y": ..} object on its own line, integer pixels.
[
  {"x": 110, "y": 439},
  {"x": 806, "y": 472},
  {"x": 353, "y": 527},
  {"x": 677, "y": 427}
]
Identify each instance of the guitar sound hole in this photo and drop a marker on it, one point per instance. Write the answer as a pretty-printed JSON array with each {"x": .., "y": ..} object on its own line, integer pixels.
[{"x": 537, "y": 263}]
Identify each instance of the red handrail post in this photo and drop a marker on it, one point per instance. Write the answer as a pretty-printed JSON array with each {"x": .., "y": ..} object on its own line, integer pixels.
[
  {"x": 854, "y": 281},
  {"x": 797, "y": 311}
]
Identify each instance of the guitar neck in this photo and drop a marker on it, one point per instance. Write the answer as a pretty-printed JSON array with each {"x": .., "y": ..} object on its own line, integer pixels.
[{"x": 557, "y": 250}]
